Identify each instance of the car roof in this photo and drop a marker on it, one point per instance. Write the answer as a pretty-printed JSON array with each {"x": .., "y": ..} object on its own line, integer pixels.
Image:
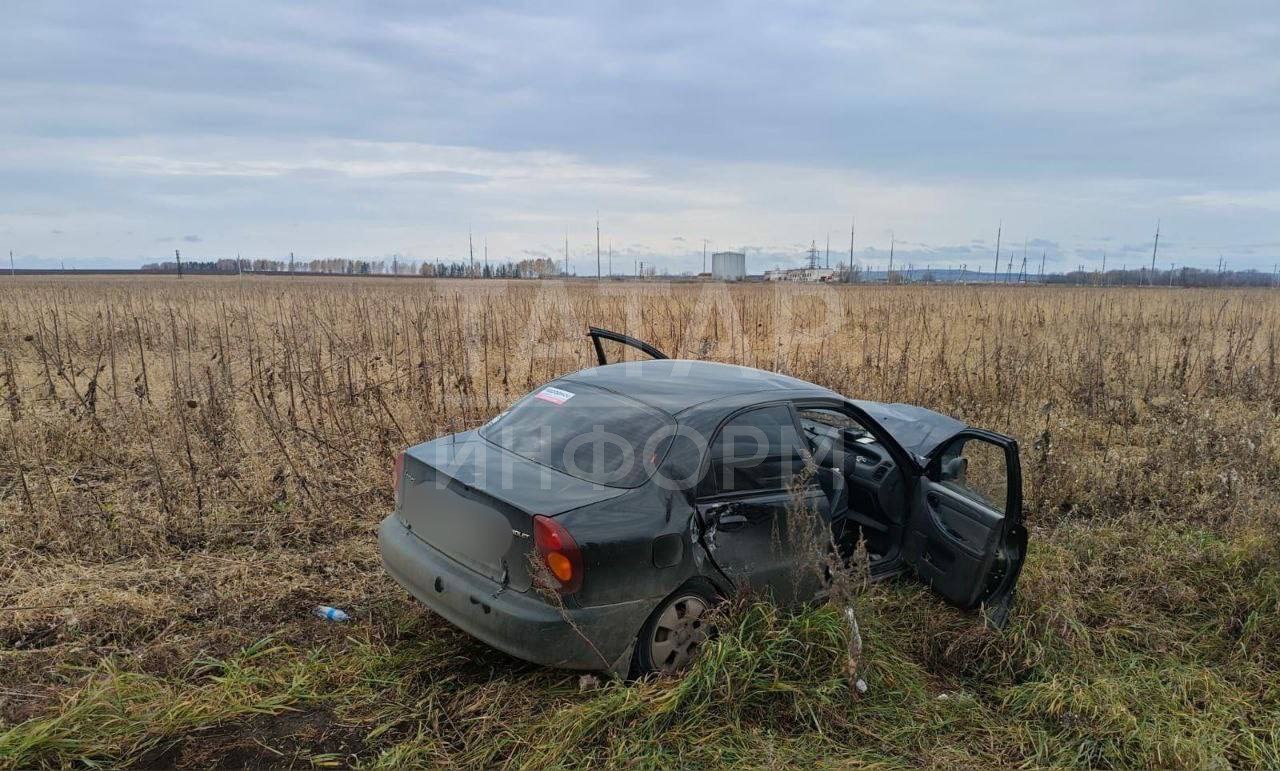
[{"x": 674, "y": 385}]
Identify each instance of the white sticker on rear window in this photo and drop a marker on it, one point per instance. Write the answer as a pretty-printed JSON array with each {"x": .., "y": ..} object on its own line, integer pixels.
[{"x": 554, "y": 395}]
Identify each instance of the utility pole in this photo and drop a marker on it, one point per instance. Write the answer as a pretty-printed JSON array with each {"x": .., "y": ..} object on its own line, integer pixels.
[
  {"x": 13, "y": 272},
  {"x": 1154, "y": 247},
  {"x": 597, "y": 246},
  {"x": 1104, "y": 268},
  {"x": 704, "y": 255},
  {"x": 888, "y": 276},
  {"x": 178, "y": 256},
  {"x": 610, "y": 257},
  {"x": 291, "y": 264},
  {"x": 852, "y": 223},
  {"x": 828, "y": 248},
  {"x": 995, "y": 274},
  {"x": 1022, "y": 274},
  {"x": 471, "y": 250},
  {"x": 1042, "y": 256},
  {"x": 566, "y": 251},
  {"x": 1171, "y": 274}
]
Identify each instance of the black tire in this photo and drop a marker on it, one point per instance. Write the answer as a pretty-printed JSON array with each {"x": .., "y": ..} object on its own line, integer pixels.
[{"x": 672, "y": 633}]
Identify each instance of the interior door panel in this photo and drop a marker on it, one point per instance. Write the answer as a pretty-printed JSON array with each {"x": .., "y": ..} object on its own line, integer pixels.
[
  {"x": 951, "y": 544},
  {"x": 965, "y": 518},
  {"x": 968, "y": 527}
]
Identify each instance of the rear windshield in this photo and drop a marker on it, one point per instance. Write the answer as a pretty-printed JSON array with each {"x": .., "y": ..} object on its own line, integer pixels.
[{"x": 586, "y": 432}]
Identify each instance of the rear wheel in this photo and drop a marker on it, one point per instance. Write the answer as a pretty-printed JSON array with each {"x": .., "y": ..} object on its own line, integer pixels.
[{"x": 676, "y": 629}]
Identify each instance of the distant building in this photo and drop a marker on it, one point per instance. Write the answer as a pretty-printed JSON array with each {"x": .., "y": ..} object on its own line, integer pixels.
[
  {"x": 729, "y": 266},
  {"x": 800, "y": 274}
]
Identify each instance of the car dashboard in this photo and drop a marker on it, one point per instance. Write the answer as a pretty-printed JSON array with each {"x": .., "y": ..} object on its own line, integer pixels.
[{"x": 876, "y": 496}]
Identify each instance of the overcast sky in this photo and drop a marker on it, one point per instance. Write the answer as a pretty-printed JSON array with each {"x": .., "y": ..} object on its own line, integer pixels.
[{"x": 333, "y": 129}]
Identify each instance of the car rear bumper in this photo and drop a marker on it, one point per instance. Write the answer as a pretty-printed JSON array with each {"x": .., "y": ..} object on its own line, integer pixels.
[{"x": 521, "y": 624}]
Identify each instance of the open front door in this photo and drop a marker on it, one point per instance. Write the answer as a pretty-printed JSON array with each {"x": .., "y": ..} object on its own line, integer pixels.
[
  {"x": 597, "y": 335},
  {"x": 965, "y": 538}
]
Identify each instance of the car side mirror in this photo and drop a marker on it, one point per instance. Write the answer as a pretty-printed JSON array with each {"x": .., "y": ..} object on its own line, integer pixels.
[{"x": 954, "y": 469}]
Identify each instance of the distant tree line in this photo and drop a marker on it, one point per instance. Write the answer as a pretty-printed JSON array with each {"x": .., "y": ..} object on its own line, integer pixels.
[
  {"x": 1184, "y": 276},
  {"x": 544, "y": 268},
  {"x": 529, "y": 268}
]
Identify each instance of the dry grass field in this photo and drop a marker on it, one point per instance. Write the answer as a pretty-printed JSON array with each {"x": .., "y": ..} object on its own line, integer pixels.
[{"x": 187, "y": 467}]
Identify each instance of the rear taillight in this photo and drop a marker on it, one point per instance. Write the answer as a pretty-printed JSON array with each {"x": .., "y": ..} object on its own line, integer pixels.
[
  {"x": 559, "y": 553},
  {"x": 397, "y": 471}
]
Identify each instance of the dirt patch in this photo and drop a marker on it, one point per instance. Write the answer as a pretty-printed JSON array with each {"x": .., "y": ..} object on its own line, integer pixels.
[{"x": 287, "y": 740}]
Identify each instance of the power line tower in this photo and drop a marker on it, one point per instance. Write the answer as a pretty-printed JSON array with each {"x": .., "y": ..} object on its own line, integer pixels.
[
  {"x": 813, "y": 254},
  {"x": 178, "y": 256}
]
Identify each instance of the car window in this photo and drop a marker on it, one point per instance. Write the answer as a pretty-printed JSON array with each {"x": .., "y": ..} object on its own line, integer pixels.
[
  {"x": 829, "y": 433},
  {"x": 829, "y": 417},
  {"x": 755, "y": 451},
  {"x": 586, "y": 432},
  {"x": 978, "y": 470}
]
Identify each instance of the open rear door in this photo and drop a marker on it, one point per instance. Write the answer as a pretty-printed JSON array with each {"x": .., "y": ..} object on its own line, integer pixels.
[
  {"x": 966, "y": 539},
  {"x": 597, "y": 335}
]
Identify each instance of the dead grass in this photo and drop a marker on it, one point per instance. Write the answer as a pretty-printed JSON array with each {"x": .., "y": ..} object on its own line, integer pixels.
[{"x": 187, "y": 467}]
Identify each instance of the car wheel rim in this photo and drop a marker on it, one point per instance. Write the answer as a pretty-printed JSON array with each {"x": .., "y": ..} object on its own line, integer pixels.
[{"x": 680, "y": 630}]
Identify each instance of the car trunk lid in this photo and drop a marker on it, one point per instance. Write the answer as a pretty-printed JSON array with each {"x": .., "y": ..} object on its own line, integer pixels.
[{"x": 474, "y": 502}]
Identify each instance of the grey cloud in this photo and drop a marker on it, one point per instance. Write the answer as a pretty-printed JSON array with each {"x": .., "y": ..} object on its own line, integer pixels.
[{"x": 940, "y": 118}]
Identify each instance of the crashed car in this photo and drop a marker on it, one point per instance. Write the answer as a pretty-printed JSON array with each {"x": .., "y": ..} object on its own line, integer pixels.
[{"x": 594, "y": 523}]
